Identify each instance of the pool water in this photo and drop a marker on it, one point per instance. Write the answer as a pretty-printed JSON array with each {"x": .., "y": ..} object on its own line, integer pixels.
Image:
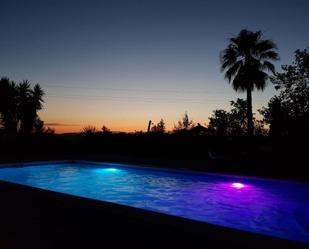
[{"x": 275, "y": 208}]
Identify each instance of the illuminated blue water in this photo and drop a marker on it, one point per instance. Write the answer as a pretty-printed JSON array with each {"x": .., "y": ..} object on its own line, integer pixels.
[{"x": 274, "y": 208}]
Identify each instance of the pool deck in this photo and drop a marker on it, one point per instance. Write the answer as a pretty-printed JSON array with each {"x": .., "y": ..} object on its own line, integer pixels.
[{"x": 36, "y": 218}]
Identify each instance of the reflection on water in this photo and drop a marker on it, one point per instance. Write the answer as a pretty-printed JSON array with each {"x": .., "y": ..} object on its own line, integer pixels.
[{"x": 267, "y": 207}]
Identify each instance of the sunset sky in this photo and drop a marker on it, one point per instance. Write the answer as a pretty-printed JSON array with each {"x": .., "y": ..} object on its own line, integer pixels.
[{"x": 121, "y": 63}]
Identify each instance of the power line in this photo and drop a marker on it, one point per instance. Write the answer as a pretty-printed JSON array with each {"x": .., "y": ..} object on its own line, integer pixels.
[
  {"x": 133, "y": 99},
  {"x": 123, "y": 97},
  {"x": 131, "y": 89}
]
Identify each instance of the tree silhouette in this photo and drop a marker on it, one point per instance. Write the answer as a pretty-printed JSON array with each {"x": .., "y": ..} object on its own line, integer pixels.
[
  {"x": 106, "y": 130},
  {"x": 184, "y": 124},
  {"x": 288, "y": 113},
  {"x": 246, "y": 61},
  {"x": 238, "y": 117},
  {"x": 219, "y": 122},
  {"x": 19, "y": 104},
  {"x": 29, "y": 103},
  {"x": 159, "y": 127},
  {"x": 275, "y": 116},
  {"x": 233, "y": 122},
  {"x": 8, "y": 105},
  {"x": 89, "y": 130},
  {"x": 38, "y": 127}
]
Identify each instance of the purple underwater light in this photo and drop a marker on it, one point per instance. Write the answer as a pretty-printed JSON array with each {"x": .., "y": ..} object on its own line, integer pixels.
[{"x": 238, "y": 185}]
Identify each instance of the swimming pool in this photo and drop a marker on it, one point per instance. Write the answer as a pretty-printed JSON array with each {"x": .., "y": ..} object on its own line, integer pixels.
[{"x": 276, "y": 208}]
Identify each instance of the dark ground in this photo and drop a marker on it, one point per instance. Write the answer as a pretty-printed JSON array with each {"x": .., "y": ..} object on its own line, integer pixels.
[{"x": 285, "y": 158}]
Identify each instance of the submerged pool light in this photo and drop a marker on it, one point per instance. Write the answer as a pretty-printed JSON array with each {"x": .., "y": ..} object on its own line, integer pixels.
[
  {"x": 107, "y": 170},
  {"x": 111, "y": 169},
  {"x": 238, "y": 185}
]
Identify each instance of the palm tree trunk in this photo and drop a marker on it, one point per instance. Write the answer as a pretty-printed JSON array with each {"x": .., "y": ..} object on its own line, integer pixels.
[{"x": 249, "y": 112}]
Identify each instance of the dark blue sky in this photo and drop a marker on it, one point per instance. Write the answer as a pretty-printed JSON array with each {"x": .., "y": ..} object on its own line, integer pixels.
[{"x": 123, "y": 62}]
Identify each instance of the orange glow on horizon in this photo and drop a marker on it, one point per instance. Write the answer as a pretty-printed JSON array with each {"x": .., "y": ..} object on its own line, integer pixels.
[{"x": 60, "y": 129}]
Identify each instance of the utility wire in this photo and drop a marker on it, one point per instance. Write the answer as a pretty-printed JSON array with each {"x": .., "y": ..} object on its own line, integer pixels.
[
  {"x": 131, "y": 89},
  {"x": 133, "y": 99}
]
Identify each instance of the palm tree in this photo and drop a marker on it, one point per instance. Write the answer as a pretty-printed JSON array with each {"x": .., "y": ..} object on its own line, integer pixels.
[
  {"x": 24, "y": 106},
  {"x": 246, "y": 62},
  {"x": 37, "y": 97},
  {"x": 19, "y": 104},
  {"x": 8, "y": 106},
  {"x": 30, "y": 101}
]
